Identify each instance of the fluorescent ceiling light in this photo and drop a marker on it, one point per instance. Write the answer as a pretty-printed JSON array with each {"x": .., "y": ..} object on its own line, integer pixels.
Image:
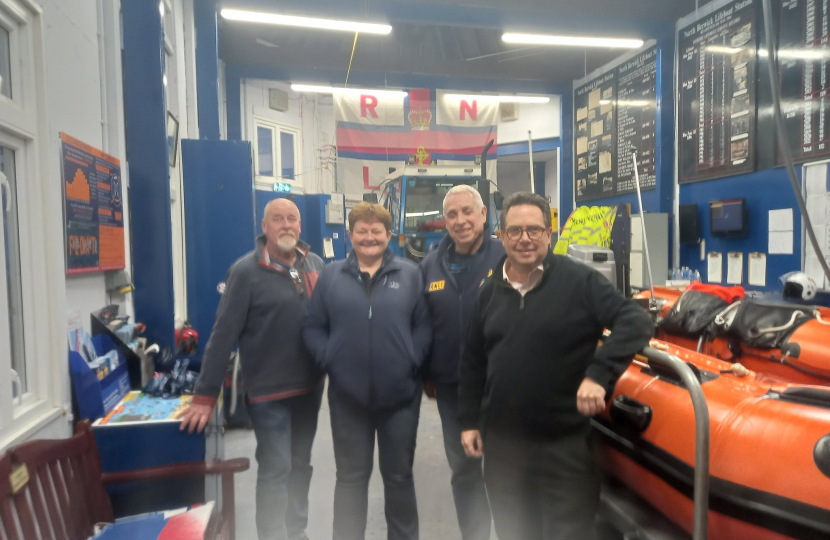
[
  {"x": 333, "y": 90},
  {"x": 501, "y": 99},
  {"x": 306, "y": 22},
  {"x": 423, "y": 214},
  {"x": 572, "y": 41}
]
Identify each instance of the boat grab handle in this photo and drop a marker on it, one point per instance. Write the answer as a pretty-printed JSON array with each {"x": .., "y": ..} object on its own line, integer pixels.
[{"x": 692, "y": 384}]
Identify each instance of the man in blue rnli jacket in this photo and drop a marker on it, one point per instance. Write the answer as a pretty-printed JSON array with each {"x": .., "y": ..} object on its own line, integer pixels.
[{"x": 452, "y": 275}]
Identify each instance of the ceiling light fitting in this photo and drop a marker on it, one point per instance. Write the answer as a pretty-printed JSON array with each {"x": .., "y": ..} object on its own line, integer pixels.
[
  {"x": 334, "y": 90},
  {"x": 572, "y": 41},
  {"x": 305, "y": 22}
]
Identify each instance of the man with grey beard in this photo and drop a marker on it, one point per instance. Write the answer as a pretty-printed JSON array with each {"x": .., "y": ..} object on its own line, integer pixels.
[{"x": 265, "y": 298}]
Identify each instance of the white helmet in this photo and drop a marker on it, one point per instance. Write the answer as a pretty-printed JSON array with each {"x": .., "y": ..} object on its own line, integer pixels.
[{"x": 799, "y": 285}]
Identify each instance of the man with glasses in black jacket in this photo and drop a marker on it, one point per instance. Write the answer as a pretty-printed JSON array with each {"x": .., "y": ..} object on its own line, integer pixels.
[{"x": 531, "y": 376}]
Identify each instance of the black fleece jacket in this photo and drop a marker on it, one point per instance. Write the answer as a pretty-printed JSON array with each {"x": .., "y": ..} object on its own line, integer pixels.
[{"x": 524, "y": 358}]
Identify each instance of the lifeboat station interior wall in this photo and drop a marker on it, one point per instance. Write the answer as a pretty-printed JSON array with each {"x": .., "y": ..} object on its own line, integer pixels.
[{"x": 768, "y": 188}]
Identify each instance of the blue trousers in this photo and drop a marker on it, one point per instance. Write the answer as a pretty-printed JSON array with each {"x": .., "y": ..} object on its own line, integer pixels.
[
  {"x": 468, "y": 489},
  {"x": 354, "y": 429},
  {"x": 285, "y": 431}
]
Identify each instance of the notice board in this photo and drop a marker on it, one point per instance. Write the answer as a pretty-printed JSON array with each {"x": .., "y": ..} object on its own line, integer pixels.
[
  {"x": 93, "y": 209},
  {"x": 716, "y": 97},
  {"x": 615, "y": 114},
  {"x": 637, "y": 121},
  {"x": 804, "y": 59}
]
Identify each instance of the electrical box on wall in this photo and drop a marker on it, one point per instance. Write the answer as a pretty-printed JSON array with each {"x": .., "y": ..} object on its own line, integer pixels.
[
  {"x": 277, "y": 99},
  {"x": 508, "y": 112},
  {"x": 335, "y": 210}
]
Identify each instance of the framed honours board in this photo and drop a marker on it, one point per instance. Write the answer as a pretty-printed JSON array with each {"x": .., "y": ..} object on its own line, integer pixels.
[{"x": 716, "y": 99}]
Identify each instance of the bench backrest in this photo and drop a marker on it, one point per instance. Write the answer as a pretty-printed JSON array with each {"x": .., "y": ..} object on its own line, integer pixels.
[{"x": 52, "y": 489}]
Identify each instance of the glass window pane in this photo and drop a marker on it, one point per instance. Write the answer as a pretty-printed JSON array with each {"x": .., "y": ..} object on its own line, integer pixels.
[
  {"x": 11, "y": 244},
  {"x": 425, "y": 204},
  {"x": 287, "y": 154},
  {"x": 5, "y": 64},
  {"x": 265, "y": 151}
]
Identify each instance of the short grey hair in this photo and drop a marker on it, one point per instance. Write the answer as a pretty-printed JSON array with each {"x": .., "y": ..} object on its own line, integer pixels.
[
  {"x": 464, "y": 188},
  {"x": 273, "y": 202},
  {"x": 527, "y": 198}
]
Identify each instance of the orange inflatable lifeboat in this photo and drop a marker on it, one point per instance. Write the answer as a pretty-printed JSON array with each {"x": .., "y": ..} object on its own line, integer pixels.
[
  {"x": 769, "y": 451},
  {"x": 801, "y": 356}
]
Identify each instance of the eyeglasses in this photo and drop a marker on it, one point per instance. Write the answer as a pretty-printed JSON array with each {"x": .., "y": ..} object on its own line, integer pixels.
[{"x": 533, "y": 232}]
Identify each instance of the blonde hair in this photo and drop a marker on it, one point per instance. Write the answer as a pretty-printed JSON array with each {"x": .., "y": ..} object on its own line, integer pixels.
[{"x": 366, "y": 211}]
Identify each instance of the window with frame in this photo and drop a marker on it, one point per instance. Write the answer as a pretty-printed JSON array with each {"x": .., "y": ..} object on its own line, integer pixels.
[
  {"x": 30, "y": 274},
  {"x": 277, "y": 156}
]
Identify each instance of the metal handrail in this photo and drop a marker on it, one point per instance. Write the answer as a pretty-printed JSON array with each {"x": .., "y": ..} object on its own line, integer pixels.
[{"x": 701, "y": 477}]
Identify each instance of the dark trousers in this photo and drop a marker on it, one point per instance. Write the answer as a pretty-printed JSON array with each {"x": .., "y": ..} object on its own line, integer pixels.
[
  {"x": 468, "y": 489},
  {"x": 541, "y": 490},
  {"x": 285, "y": 431},
  {"x": 353, "y": 429}
]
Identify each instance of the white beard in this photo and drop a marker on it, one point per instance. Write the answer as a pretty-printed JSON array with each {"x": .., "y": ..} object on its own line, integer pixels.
[{"x": 287, "y": 243}]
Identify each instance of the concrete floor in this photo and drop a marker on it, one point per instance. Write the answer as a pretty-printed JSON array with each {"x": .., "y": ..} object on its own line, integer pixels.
[{"x": 432, "y": 483}]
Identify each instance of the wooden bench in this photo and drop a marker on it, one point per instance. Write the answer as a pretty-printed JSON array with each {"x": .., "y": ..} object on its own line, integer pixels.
[{"x": 56, "y": 490}]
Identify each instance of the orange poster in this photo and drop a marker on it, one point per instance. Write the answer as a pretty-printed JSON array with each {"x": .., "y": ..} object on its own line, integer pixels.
[{"x": 93, "y": 208}]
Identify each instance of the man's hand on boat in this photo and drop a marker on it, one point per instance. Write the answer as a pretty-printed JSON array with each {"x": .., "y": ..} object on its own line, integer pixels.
[{"x": 590, "y": 398}]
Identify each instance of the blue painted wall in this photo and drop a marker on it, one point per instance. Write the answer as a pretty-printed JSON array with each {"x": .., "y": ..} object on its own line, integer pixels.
[
  {"x": 207, "y": 67},
  {"x": 219, "y": 222},
  {"x": 146, "y": 137},
  {"x": 763, "y": 191}
]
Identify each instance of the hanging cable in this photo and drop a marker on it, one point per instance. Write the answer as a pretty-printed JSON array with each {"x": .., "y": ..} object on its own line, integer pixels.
[
  {"x": 348, "y": 71},
  {"x": 782, "y": 141}
]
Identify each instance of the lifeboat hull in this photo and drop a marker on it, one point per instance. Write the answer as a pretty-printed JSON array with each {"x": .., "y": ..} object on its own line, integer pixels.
[{"x": 769, "y": 452}]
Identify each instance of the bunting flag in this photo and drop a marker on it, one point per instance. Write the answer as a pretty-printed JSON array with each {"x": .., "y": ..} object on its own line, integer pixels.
[{"x": 377, "y": 132}]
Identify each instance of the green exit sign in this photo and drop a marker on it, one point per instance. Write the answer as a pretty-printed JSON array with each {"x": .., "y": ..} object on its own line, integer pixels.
[{"x": 282, "y": 187}]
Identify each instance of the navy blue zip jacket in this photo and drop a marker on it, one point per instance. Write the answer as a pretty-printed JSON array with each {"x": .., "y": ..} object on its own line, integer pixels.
[
  {"x": 451, "y": 307},
  {"x": 371, "y": 338}
]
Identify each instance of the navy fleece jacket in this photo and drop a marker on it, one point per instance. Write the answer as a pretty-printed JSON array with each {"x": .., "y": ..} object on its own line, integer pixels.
[{"x": 371, "y": 337}]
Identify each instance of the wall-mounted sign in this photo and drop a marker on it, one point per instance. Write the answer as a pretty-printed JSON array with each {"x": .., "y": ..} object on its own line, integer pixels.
[
  {"x": 615, "y": 114},
  {"x": 93, "y": 208},
  {"x": 804, "y": 63},
  {"x": 281, "y": 187},
  {"x": 716, "y": 92}
]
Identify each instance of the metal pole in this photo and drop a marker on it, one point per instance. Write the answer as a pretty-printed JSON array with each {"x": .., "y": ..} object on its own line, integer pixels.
[
  {"x": 701, "y": 487},
  {"x": 652, "y": 301},
  {"x": 530, "y": 157}
]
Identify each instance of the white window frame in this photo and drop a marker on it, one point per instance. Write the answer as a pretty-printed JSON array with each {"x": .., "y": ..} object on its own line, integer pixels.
[
  {"x": 267, "y": 182},
  {"x": 175, "y": 102},
  {"x": 24, "y": 130}
]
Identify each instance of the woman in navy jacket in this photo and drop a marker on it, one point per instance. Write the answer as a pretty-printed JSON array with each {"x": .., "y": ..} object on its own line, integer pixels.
[{"x": 368, "y": 327}]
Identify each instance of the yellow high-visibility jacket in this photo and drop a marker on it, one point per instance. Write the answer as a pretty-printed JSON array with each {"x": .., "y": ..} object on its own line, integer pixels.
[{"x": 587, "y": 225}]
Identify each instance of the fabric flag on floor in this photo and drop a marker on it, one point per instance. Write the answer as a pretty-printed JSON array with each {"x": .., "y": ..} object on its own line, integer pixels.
[{"x": 377, "y": 132}]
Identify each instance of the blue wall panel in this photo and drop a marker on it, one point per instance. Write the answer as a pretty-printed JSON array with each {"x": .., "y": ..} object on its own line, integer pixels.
[
  {"x": 763, "y": 191},
  {"x": 566, "y": 156},
  {"x": 207, "y": 67},
  {"x": 219, "y": 222},
  {"x": 146, "y": 137}
]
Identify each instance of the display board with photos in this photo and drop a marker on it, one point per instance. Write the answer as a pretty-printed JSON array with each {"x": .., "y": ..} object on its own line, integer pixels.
[
  {"x": 615, "y": 114},
  {"x": 804, "y": 63},
  {"x": 717, "y": 92}
]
